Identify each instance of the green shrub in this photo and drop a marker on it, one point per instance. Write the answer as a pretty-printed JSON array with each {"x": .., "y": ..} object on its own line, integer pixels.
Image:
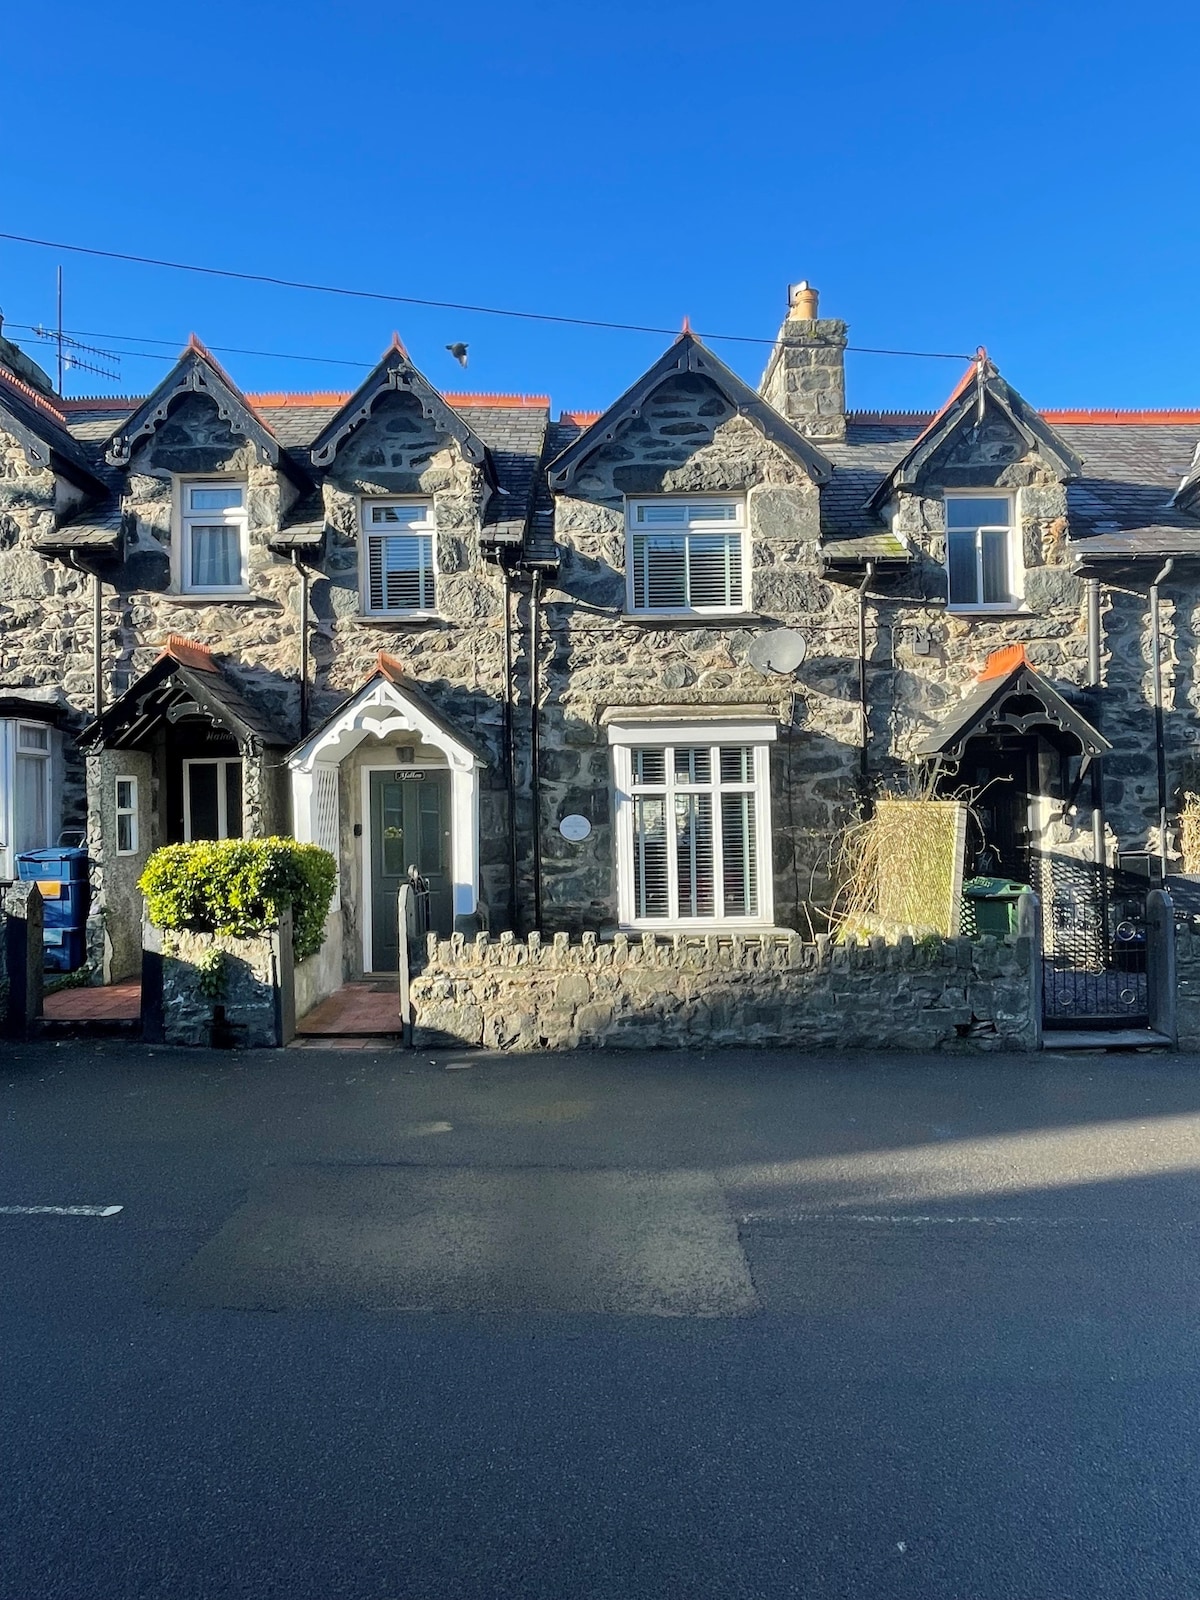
[{"x": 239, "y": 887}]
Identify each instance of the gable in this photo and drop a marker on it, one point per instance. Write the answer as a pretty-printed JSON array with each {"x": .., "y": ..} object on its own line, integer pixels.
[
  {"x": 393, "y": 398},
  {"x": 692, "y": 377},
  {"x": 984, "y": 424},
  {"x": 200, "y": 407}
]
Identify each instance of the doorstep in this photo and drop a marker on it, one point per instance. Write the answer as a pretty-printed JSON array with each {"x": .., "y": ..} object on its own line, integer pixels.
[
  {"x": 366, "y": 1010},
  {"x": 1104, "y": 1039}
]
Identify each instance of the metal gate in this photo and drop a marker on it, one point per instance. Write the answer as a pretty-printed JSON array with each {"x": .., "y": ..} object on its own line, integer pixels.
[{"x": 1094, "y": 943}]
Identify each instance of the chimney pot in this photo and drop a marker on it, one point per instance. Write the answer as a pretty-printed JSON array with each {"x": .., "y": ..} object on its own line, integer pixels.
[{"x": 802, "y": 301}]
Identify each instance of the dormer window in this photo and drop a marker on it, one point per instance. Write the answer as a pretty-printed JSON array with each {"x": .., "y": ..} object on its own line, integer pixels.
[
  {"x": 981, "y": 552},
  {"x": 687, "y": 555},
  {"x": 399, "y": 578},
  {"x": 213, "y": 537}
]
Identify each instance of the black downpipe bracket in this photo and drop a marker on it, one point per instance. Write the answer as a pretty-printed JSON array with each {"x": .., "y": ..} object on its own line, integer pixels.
[
  {"x": 535, "y": 782},
  {"x": 1160, "y": 739}
]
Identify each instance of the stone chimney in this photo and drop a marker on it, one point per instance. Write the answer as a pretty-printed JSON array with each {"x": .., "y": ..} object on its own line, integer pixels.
[{"x": 805, "y": 378}]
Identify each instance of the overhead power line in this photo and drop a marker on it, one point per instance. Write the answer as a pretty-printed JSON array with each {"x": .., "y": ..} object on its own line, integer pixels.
[
  {"x": 436, "y": 305},
  {"x": 177, "y": 344}
]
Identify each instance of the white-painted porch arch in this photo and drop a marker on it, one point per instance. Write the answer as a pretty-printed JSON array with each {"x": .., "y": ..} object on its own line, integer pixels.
[{"x": 383, "y": 709}]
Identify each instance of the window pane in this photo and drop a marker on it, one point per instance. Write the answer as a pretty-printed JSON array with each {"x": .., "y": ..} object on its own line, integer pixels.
[
  {"x": 429, "y": 824},
  {"x": 214, "y": 499},
  {"x": 125, "y": 832},
  {"x": 649, "y": 765},
  {"x": 978, "y": 511},
  {"x": 233, "y": 799},
  {"x": 202, "y": 799},
  {"x": 650, "y": 857},
  {"x": 216, "y": 556},
  {"x": 714, "y": 569},
  {"x": 738, "y": 855},
  {"x": 659, "y": 572},
  {"x": 737, "y": 763},
  {"x": 994, "y": 550},
  {"x": 395, "y": 854},
  {"x": 124, "y": 794},
  {"x": 960, "y": 553},
  {"x": 683, "y": 513},
  {"x": 693, "y": 765},
  {"x": 31, "y": 810},
  {"x": 385, "y": 516},
  {"x": 694, "y": 854},
  {"x": 400, "y": 576},
  {"x": 31, "y": 736}
]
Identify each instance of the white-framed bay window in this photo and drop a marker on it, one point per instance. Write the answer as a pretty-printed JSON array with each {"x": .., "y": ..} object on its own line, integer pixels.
[
  {"x": 399, "y": 574},
  {"x": 693, "y": 824},
  {"x": 984, "y": 570},
  {"x": 212, "y": 798},
  {"x": 687, "y": 553},
  {"x": 213, "y": 536},
  {"x": 29, "y": 789}
]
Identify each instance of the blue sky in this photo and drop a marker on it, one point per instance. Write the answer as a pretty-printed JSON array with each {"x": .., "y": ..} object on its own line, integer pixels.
[{"x": 1022, "y": 175}]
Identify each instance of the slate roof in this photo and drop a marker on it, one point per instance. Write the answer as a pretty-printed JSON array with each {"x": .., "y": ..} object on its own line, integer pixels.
[
  {"x": 1122, "y": 504},
  {"x": 1007, "y": 674},
  {"x": 208, "y": 682},
  {"x": 97, "y": 529}
]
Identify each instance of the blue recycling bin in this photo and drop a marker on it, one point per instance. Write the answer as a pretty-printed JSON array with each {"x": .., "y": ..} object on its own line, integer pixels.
[{"x": 62, "y": 874}]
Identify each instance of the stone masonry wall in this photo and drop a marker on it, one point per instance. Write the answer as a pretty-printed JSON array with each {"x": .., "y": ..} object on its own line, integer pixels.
[
  {"x": 689, "y": 439},
  {"x": 697, "y": 992},
  {"x": 250, "y": 978}
]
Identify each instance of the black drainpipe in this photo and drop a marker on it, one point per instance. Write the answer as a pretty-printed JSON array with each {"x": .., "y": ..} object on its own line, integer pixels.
[
  {"x": 864, "y": 792},
  {"x": 302, "y": 570},
  {"x": 1094, "y": 683},
  {"x": 1160, "y": 741},
  {"x": 535, "y": 784},
  {"x": 72, "y": 560},
  {"x": 510, "y": 747}
]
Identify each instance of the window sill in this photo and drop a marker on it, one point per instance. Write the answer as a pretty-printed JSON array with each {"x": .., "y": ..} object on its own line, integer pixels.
[
  {"x": 1021, "y": 610},
  {"x": 691, "y": 619},
  {"x": 223, "y": 597},
  {"x": 407, "y": 619},
  {"x": 697, "y": 925}
]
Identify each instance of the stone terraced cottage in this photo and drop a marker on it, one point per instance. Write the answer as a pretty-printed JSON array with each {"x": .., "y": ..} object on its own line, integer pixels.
[{"x": 629, "y": 671}]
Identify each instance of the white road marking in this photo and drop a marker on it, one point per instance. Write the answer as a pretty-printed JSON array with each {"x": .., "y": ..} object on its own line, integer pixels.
[
  {"x": 60, "y": 1211},
  {"x": 749, "y": 1219}
]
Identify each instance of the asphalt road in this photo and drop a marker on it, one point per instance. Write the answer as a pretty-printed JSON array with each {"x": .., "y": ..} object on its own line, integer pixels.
[{"x": 605, "y": 1326}]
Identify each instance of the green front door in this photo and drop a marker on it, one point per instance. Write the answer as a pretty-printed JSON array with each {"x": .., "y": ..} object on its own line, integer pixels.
[{"x": 410, "y": 827}]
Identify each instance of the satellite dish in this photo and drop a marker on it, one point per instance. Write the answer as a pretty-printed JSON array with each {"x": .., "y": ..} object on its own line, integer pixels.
[{"x": 781, "y": 650}]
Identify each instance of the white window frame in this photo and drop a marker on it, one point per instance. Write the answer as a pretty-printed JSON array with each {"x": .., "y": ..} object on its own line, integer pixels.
[
  {"x": 221, "y": 763},
  {"x": 19, "y": 729},
  {"x": 1016, "y": 565},
  {"x": 368, "y": 533},
  {"x": 230, "y": 516},
  {"x": 740, "y": 526},
  {"x": 624, "y": 738},
  {"x": 130, "y": 811}
]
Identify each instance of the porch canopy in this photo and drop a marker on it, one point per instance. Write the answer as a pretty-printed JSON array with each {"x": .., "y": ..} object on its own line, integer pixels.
[
  {"x": 1011, "y": 697},
  {"x": 186, "y": 681},
  {"x": 390, "y": 706}
]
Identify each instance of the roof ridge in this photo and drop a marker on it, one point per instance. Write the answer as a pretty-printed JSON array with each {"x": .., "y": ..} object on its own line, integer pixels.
[{"x": 38, "y": 399}]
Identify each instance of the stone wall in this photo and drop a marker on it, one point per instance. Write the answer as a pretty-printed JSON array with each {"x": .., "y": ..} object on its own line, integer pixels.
[
  {"x": 689, "y": 439},
  {"x": 250, "y": 1011},
  {"x": 691, "y": 992},
  {"x": 1187, "y": 990}
]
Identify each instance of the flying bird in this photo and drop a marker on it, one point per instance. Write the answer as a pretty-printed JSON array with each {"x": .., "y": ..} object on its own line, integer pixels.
[{"x": 459, "y": 352}]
